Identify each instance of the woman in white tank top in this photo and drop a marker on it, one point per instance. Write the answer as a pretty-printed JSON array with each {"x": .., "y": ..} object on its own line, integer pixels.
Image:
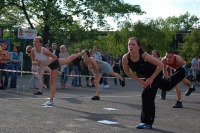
[{"x": 43, "y": 58}]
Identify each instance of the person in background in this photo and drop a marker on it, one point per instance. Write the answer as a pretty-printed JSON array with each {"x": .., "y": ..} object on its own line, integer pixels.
[
  {"x": 156, "y": 54},
  {"x": 116, "y": 66},
  {"x": 34, "y": 69},
  {"x": 15, "y": 60},
  {"x": 97, "y": 55},
  {"x": 54, "y": 49},
  {"x": 107, "y": 58},
  {"x": 90, "y": 74},
  {"x": 174, "y": 61},
  {"x": 195, "y": 67},
  {"x": 136, "y": 60},
  {"x": 64, "y": 69},
  {"x": 77, "y": 70},
  {"x": 4, "y": 56}
]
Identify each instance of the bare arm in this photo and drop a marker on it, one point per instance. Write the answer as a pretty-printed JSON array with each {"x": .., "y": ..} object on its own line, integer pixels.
[
  {"x": 156, "y": 62},
  {"x": 180, "y": 61},
  {"x": 49, "y": 54},
  {"x": 165, "y": 67},
  {"x": 94, "y": 64},
  {"x": 33, "y": 57}
]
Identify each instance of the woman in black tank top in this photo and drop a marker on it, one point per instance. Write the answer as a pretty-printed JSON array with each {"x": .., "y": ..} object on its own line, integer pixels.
[{"x": 150, "y": 69}]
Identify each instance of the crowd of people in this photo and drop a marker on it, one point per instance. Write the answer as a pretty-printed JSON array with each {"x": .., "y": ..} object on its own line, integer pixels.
[{"x": 156, "y": 72}]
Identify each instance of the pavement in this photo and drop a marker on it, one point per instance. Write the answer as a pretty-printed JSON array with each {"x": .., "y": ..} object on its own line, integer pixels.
[{"x": 118, "y": 111}]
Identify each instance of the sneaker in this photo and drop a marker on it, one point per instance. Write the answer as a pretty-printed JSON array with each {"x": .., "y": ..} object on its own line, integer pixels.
[
  {"x": 95, "y": 98},
  {"x": 38, "y": 93},
  {"x": 189, "y": 91},
  {"x": 163, "y": 95},
  {"x": 178, "y": 104},
  {"x": 161, "y": 98},
  {"x": 143, "y": 126},
  {"x": 48, "y": 103},
  {"x": 123, "y": 82}
]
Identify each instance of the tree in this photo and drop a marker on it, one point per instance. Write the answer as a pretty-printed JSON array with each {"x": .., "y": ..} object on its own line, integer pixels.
[
  {"x": 191, "y": 45},
  {"x": 54, "y": 14}
]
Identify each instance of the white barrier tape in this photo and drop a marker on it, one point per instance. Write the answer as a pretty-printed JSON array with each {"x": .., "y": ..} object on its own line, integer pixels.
[{"x": 30, "y": 72}]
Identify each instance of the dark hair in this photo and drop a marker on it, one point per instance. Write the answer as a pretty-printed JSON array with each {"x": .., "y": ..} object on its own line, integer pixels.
[
  {"x": 141, "y": 51},
  {"x": 87, "y": 52},
  {"x": 156, "y": 52},
  {"x": 18, "y": 49},
  {"x": 170, "y": 52}
]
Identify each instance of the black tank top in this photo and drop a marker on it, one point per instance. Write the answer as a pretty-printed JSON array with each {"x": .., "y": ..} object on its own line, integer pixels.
[{"x": 143, "y": 68}]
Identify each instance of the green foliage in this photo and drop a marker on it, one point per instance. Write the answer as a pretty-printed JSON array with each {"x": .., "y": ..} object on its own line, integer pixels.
[{"x": 191, "y": 45}]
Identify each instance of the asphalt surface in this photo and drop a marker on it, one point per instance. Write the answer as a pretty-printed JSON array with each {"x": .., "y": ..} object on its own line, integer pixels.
[{"x": 75, "y": 112}]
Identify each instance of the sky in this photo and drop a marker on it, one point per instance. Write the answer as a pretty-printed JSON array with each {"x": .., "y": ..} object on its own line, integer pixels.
[{"x": 164, "y": 8}]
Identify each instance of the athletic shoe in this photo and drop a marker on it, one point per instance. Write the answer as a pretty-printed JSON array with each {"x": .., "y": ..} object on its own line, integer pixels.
[
  {"x": 189, "y": 91},
  {"x": 143, "y": 126},
  {"x": 38, "y": 93},
  {"x": 178, "y": 104},
  {"x": 123, "y": 82},
  {"x": 48, "y": 103},
  {"x": 95, "y": 98}
]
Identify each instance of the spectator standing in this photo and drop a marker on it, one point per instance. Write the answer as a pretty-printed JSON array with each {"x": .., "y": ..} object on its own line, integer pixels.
[
  {"x": 34, "y": 68},
  {"x": 107, "y": 58},
  {"x": 15, "y": 64},
  {"x": 116, "y": 66},
  {"x": 54, "y": 49},
  {"x": 64, "y": 69},
  {"x": 97, "y": 55},
  {"x": 77, "y": 70},
  {"x": 195, "y": 66},
  {"x": 4, "y": 56}
]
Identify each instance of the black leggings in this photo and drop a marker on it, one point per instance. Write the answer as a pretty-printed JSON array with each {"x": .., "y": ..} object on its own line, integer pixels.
[{"x": 149, "y": 94}]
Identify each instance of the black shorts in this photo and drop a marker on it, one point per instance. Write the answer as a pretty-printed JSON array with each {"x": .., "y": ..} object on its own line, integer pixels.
[{"x": 54, "y": 65}]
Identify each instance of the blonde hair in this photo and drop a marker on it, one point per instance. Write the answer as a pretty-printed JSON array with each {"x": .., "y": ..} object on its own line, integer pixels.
[
  {"x": 62, "y": 46},
  {"x": 28, "y": 49},
  {"x": 39, "y": 38}
]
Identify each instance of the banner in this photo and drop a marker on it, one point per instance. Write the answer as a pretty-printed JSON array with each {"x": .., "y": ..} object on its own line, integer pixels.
[{"x": 26, "y": 33}]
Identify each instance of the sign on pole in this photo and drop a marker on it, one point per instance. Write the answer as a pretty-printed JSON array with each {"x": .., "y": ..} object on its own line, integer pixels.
[{"x": 27, "y": 33}]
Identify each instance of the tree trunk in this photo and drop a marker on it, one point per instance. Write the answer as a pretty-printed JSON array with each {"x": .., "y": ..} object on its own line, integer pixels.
[
  {"x": 46, "y": 34},
  {"x": 26, "y": 15}
]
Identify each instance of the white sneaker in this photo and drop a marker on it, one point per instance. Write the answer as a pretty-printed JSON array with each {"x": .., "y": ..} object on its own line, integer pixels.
[{"x": 48, "y": 103}]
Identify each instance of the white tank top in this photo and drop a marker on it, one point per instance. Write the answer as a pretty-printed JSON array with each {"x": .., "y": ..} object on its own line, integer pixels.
[{"x": 40, "y": 56}]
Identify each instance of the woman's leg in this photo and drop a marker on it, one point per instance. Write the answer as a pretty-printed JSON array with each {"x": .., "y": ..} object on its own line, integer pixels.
[
  {"x": 148, "y": 104},
  {"x": 40, "y": 77},
  {"x": 168, "y": 84},
  {"x": 97, "y": 85},
  {"x": 113, "y": 74},
  {"x": 119, "y": 77},
  {"x": 64, "y": 61},
  {"x": 53, "y": 77}
]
